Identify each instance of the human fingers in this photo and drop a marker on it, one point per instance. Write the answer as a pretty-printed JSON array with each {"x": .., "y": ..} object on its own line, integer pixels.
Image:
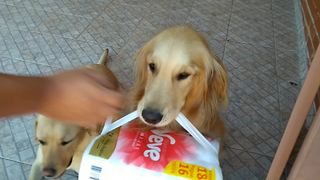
[
  {"x": 112, "y": 98},
  {"x": 100, "y": 78}
]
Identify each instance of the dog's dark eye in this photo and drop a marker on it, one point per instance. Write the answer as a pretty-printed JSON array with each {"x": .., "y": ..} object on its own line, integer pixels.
[
  {"x": 152, "y": 67},
  {"x": 182, "y": 76},
  {"x": 42, "y": 142},
  {"x": 63, "y": 143}
]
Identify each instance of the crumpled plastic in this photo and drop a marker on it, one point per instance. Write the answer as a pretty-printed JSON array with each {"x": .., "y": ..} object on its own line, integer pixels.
[{"x": 123, "y": 151}]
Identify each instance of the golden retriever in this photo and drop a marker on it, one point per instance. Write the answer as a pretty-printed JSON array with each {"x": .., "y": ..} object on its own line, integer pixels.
[
  {"x": 62, "y": 145},
  {"x": 177, "y": 72}
]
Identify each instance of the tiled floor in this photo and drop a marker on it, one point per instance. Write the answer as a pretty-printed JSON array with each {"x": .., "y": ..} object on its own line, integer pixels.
[{"x": 255, "y": 39}]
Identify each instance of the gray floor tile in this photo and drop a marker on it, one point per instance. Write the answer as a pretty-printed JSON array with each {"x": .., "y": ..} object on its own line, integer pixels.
[
  {"x": 241, "y": 166},
  {"x": 26, "y": 169},
  {"x": 289, "y": 67},
  {"x": 8, "y": 65},
  {"x": 291, "y": 75},
  {"x": 255, "y": 39},
  {"x": 247, "y": 26},
  {"x": 256, "y": 132},
  {"x": 163, "y": 18},
  {"x": 50, "y": 50},
  {"x": 10, "y": 160},
  {"x": 37, "y": 20},
  {"x": 250, "y": 166},
  {"x": 285, "y": 30},
  {"x": 119, "y": 20},
  {"x": 252, "y": 75},
  {"x": 3, "y": 173},
  {"x": 210, "y": 18},
  {"x": 118, "y": 33},
  {"x": 18, "y": 18},
  {"x": 15, "y": 172},
  {"x": 82, "y": 8},
  {"x": 173, "y": 5}
]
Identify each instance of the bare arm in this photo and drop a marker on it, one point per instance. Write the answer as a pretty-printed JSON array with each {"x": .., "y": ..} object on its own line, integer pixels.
[
  {"x": 21, "y": 95},
  {"x": 80, "y": 96}
]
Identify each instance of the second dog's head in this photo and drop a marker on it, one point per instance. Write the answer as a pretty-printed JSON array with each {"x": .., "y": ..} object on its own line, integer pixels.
[
  {"x": 58, "y": 143},
  {"x": 175, "y": 71}
]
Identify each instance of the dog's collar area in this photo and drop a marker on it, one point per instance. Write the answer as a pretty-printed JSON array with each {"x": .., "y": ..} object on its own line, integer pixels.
[{"x": 181, "y": 119}]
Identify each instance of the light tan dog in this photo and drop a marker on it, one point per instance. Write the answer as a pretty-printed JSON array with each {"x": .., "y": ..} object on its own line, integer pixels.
[
  {"x": 177, "y": 72},
  {"x": 62, "y": 145}
]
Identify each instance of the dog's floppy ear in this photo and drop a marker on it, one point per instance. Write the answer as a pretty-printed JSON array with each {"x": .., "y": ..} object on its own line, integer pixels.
[
  {"x": 141, "y": 65},
  {"x": 217, "y": 80},
  {"x": 215, "y": 95},
  {"x": 220, "y": 82},
  {"x": 141, "y": 73}
]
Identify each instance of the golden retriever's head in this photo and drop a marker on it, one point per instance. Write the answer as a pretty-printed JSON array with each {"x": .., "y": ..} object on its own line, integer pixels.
[
  {"x": 58, "y": 143},
  {"x": 175, "y": 71}
]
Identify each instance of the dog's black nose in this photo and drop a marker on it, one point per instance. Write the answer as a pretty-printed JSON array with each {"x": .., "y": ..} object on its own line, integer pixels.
[
  {"x": 49, "y": 172},
  {"x": 151, "y": 116}
]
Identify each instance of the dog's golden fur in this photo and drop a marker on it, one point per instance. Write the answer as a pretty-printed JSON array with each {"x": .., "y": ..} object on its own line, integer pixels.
[
  {"x": 199, "y": 96},
  {"x": 53, "y": 133}
]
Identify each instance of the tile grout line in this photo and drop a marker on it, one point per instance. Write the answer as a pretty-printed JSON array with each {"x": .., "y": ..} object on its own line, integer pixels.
[
  {"x": 276, "y": 127},
  {"x": 251, "y": 152},
  {"x": 131, "y": 36},
  {"x": 23, "y": 60},
  {"x": 226, "y": 39},
  {"x": 4, "y": 167},
  {"x": 192, "y": 6},
  {"x": 255, "y": 159},
  {"x": 245, "y": 150},
  {"x": 19, "y": 48},
  {"x": 276, "y": 68},
  {"x": 47, "y": 11},
  {"x": 88, "y": 41},
  {"x": 36, "y": 41},
  {"x": 264, "y": 155},
  {"x": 259, "y": 113},
  {"x": 19, "y": 162},
  {"x": 55, "y": 40},
  {"x": 29, "y": 61},
  {"x": 93, "y": 19},
  {"x": 2, "y": 162},
  {"x": 89, "y": 24},
  {"x": 243, "y": 162},
  {"x": 53, "y": 35},
  {"x": 29, "y": 138},
  {"x": 49, "y": 33}
]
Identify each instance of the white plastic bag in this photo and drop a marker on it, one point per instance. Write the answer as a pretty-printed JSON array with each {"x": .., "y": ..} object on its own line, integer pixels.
[{"x": 132, "y": 153}]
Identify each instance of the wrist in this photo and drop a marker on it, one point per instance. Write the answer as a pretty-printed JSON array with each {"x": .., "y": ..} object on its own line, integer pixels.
[
  {"x": 22, "y": 95},
  {"x": 45, "y": 89}
]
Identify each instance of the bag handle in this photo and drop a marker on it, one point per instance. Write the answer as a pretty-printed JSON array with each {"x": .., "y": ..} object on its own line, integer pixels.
[
  {"x": 181, "y": 119},
  {"x": 109, "y": 126},
  {"x": 195, "y": 133}
]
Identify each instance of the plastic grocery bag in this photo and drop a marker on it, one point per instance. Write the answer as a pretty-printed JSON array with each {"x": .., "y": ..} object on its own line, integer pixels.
[{"x": 133, "y": 153}]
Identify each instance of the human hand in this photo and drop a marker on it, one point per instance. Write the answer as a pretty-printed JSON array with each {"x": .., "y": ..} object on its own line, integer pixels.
[{"x": 83, "y": 97}]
